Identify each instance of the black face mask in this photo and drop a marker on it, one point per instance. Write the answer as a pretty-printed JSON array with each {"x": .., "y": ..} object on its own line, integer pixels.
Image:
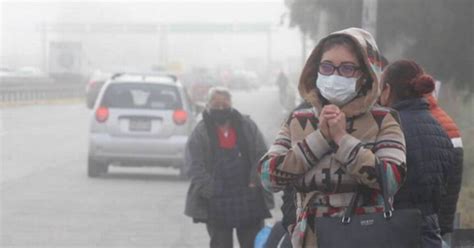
[{"x": 220, "y": 116}]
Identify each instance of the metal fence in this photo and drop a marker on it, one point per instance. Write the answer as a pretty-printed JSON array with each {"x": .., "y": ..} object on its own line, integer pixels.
[{"x": 27, "y": 90}]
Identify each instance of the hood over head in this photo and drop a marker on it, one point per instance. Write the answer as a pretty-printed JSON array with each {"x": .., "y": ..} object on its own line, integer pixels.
[{"x": 372, "y": 60}]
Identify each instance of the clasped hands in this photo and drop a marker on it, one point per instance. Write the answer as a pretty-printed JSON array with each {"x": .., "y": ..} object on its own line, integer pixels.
[{"x": 332, "y": 123}]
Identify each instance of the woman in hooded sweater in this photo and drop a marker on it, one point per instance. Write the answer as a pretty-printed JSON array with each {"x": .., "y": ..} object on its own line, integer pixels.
[
  {"x": 430, "y": 153},
  {"x": 333, "y": 142}
]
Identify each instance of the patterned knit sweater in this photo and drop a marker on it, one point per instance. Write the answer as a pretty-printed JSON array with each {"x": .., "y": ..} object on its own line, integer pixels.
[{"x": 325, "y": 175}]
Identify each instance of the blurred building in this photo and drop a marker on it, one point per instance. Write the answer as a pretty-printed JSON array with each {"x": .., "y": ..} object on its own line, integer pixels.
[{"x": 81, "y": 37}]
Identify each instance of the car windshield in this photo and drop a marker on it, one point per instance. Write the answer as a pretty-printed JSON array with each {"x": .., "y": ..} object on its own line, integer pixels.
[{"x": 141, "y": 96}]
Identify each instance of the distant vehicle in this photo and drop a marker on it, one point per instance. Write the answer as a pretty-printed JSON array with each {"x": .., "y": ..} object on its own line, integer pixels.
[
  {"x": 199, "y": 91},
  {"x": 22, "y": 75},
  {"x": 140, "y": 120},
  {"x": 199, "y": 82},
  {"x": 30, "y": 71},
  {"x": 6, "y": 72},
  {"x": 95, "y": 83},
  {"x": 244, "y": 80}
]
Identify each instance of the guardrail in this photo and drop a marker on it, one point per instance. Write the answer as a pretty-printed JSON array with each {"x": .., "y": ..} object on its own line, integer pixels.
[{"x": 26, "y": 90}]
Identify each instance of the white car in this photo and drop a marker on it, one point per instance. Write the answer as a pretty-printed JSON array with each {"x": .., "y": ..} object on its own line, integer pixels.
[{"x": 140, "y": 120}]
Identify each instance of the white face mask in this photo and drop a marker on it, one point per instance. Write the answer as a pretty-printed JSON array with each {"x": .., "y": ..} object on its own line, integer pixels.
[{"x": 337, "y": 89}]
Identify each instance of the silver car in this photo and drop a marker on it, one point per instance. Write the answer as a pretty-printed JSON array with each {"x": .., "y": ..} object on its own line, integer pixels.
[{"x": 140, "y": 120}]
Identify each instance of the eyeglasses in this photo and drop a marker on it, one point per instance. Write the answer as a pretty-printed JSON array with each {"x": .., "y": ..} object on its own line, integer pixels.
[{"x": 345, "y": 70}]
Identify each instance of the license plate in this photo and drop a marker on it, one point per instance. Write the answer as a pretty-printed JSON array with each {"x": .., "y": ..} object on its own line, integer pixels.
[{"x": 140, "y": 125}]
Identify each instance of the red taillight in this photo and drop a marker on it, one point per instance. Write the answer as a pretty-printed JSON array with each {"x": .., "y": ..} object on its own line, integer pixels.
[
  {"x": 180, "y": 116},
  {"x": 90, "y": 85},
  {"x": 102, "y": 114}
]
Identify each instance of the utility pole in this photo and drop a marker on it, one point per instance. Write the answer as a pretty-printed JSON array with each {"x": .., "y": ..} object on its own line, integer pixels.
[
  {"x": 163, "y": 34},
  {"x": 269, "y": 48},
  {"x": 369, "y": 16},
  {"x": 303, "y": 48},
  {"x": 44, "y": 47}
]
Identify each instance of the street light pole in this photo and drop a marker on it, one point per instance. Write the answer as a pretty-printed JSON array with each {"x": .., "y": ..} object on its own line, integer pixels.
[
  {"x": 369, "y": 16},
  {"x": 303, "y": 48},
  {"x": 269, "y": 48},
  {"x": 44, "y": 47}
]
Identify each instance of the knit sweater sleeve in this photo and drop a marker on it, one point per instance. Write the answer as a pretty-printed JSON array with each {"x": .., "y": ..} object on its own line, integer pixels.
[
  {"x": 285, "y": 162},
  {"x": 389, "y": 151}
]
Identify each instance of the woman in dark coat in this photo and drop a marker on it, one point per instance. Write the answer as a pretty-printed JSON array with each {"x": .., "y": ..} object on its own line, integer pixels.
[
  {"x": 225, "y": 191},
  {"x": 430, "y": 152}
]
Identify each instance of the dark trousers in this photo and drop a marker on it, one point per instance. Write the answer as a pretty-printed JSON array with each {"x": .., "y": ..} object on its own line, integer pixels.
[
  {"x": 431, "y": 232},
  {"x": 279, "y": 237},
  {"x": 221, "y": 237}
]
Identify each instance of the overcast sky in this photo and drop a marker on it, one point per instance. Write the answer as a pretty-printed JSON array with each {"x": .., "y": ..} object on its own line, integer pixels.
[{"x": 21, "y": 20}]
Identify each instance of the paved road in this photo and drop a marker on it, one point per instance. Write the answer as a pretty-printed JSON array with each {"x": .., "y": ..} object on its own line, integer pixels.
[{"x": 48, "y": 201}]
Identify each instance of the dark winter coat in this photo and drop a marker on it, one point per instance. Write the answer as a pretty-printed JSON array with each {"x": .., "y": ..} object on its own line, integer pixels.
[
  {"x": 429, "y": 155},
  {"x": 200, "y": 161},
  {"x": 453, "y": 186}
]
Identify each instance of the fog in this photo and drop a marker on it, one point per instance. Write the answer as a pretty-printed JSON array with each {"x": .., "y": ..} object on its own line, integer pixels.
[
  {"x": 77, "y": 172},
  {"x": 127, "y": 34}
]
